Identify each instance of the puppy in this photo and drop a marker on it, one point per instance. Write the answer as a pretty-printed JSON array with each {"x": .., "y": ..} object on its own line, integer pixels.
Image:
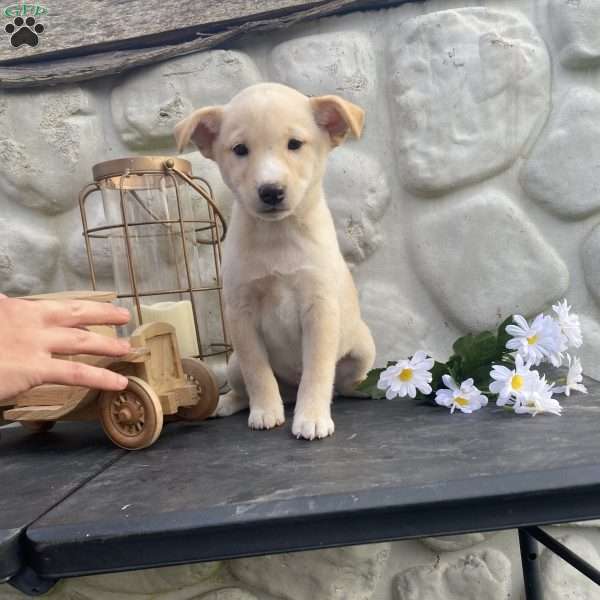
[{"x": 291, "y": 306}]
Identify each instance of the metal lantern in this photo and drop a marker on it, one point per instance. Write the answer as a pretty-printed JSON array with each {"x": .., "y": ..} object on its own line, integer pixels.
[{"x": 165, "y": 243}]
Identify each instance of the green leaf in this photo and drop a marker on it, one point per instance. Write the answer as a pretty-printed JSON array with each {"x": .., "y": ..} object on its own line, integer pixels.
[
  {"x": 438, "y": 370},
  {"x": 463, "y": 344},
  {"x": 476, "y": 351},
  {"x": 454, "y": 366},
  {"x": 503, "y": 337},
  {"x": 481, "y": 376},
  {"x": 369, "y": 385}
]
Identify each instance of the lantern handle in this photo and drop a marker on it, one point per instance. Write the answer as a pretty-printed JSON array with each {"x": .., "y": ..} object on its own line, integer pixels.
[
  {"x": 83, "y": 195},
  {"x": 203, "y": 193}
]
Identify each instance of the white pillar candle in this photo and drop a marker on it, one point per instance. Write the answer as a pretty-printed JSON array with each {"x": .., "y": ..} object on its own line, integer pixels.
[{"x": 181, "y": 316}]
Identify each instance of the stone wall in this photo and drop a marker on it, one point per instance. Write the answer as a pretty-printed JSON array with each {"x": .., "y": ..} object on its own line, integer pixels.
[{"x": 474, "y": 193}]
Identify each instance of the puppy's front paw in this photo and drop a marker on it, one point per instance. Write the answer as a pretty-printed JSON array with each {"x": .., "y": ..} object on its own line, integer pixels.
[
  {"x": 261, "y": 418},
  {"x": 311, "y": 428},
  {"x": 229, "y": 404}
]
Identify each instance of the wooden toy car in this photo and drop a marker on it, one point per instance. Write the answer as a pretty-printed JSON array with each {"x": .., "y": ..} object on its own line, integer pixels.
[{"x": 160, "y": 383}]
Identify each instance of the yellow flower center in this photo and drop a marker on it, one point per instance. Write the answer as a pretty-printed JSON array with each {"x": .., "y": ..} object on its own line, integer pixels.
[
  {"x": 461, "y": 401},
  {"x": 516, "y": 382},
  {"x": 532, "y": 340},
  {"x": 405, "y": 375}
]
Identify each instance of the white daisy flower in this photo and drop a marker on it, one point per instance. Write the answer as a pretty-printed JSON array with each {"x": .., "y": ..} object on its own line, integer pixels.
[
  {"x": 407, "y": 376},
  {"x": 569, "y": 324},
  {"x": 536, "y": 397},
  {"x": 466, "y": 398},
  {"x": 574, "y": 379},
  {"x": 508, "y": 383},
  {"x": 541, "y": 340}
]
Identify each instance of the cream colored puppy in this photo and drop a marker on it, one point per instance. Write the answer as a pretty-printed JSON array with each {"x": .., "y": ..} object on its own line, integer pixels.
[{"x": 290, "y": 303}]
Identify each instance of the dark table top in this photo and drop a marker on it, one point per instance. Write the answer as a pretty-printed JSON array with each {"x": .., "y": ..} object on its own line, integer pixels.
[
  {"x": 393, "y": 470},
  {"x": 37, "y": 472}
]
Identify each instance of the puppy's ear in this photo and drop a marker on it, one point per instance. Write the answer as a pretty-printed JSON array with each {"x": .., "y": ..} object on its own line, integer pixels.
[
  {"x": 202, "y": 127},
  {"x": 338, "y": 116}
]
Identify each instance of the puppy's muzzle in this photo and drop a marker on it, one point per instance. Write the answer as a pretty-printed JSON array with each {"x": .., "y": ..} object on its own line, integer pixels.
[{"x": 271, "y": 194}]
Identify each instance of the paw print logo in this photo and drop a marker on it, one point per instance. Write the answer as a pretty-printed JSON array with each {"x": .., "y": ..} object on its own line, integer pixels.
[{"x": 24, "y": 31}]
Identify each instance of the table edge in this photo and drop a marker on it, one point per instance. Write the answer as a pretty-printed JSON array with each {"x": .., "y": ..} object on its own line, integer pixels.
[{"x": 247, "y": 529}]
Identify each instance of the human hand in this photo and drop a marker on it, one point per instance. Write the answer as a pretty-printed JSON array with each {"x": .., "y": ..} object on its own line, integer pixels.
[{"x": 31, "y": 331}]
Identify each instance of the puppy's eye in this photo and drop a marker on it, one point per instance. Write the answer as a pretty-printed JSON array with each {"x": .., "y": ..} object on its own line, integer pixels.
[
  {"x": 240, "y": 149},
  {"x": 294, "y": 144}
]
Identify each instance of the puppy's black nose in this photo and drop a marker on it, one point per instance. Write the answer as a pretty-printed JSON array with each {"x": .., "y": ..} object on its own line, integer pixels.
[{"x": 271, "y": 194}]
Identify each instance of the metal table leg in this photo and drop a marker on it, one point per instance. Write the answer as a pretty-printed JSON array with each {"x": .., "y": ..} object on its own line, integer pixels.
[
  {"x": 530, "y": 562},
  {"x": 30, "y": 583},
  {"x": 561, "y": 550}
]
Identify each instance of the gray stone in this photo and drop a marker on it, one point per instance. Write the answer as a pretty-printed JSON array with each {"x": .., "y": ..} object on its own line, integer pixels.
[
  {"x": 77, "y": 260},
  {"x": 479, "y": 576},
  {"x": 590, "y": 351},
  {"x": 560, "y": 580},
  {"x": 28, "y": 258},
  {"x": 593, "y": 523},
  {"x": 230, "y": 593},
  {"x": 563, "y": 172},
  {"x": 469, "y": 87},
  {"x": 327, "y": 63},
  {"x": 590, "y": 253},
  {"x": 450, "y": 543},
  {"x": 148, "y": 581},
  {"x": 323, "y": 574},
  {"x": 575, "y": 28},
  {"x": 147, "y": 105},
  {"x": 209, "y": 170},
  {"x": 482, "y": 259},
  {"x": 358, "y": 194},
  {"x": 49, "y": 141},
  {"x": 10, "y": 593},
  {"x": 398, "y": 331},
  {"x": 73, "y": 249}
]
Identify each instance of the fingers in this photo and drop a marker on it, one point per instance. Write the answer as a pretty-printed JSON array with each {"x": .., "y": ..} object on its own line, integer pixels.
[
  {"x": 75, "y": 313},
  {"x": 73, "y": 373},
  {"x": 68, "y": 340}
]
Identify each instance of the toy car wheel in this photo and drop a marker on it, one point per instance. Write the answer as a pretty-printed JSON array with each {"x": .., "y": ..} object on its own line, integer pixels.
[
  {"x": 38, "y": 426},
  {"x": 132, "y": 418},
  {"x": 197, "y": 373}
]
